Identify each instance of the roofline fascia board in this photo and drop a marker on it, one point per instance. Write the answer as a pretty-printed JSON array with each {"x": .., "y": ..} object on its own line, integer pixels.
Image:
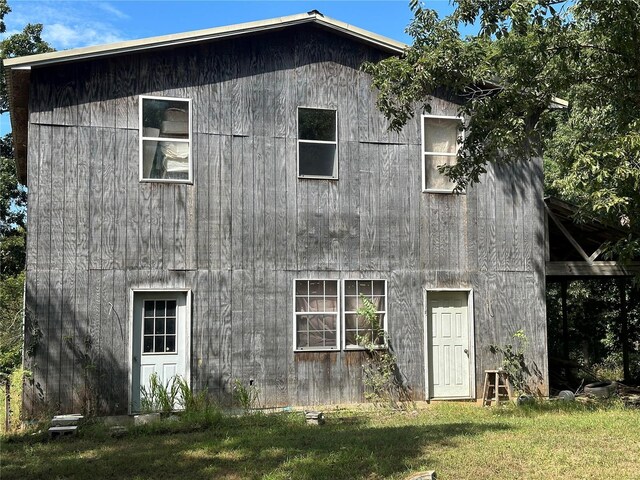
[{"x": 166, "y": 41}]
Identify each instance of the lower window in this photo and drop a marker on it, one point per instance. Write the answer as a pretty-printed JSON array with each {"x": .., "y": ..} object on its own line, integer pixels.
[
  {"x": 316, "y": 312},
  {"x": 322, "y": 318},
  {"x": 357, "y": 329}
]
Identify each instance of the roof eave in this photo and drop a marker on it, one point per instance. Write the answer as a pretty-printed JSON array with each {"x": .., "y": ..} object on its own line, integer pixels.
[{"x": 132, "y": 46}]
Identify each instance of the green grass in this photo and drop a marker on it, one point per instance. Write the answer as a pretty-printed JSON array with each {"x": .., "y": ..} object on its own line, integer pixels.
[{"x": 459, "y": 441}]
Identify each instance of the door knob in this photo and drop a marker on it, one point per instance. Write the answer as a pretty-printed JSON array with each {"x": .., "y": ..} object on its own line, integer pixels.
[{"x": 466, "y": 351}]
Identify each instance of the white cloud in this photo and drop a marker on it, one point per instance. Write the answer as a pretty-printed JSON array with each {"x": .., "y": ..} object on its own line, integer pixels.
[
  {"x": 63, "y": 36},
  {"x": 107, "y": 7},
  {"x": 72, "y": 25}
]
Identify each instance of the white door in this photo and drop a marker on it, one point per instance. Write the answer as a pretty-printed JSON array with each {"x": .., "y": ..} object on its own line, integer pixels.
[
  {"x": 449, "y": 359},
  {"x": 160, "y": 341}
]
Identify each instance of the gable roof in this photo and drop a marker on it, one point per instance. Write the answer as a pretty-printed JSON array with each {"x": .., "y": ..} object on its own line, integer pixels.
[
  {"x": 205, "y": 35},
  {"x": 17, "y": 70}
]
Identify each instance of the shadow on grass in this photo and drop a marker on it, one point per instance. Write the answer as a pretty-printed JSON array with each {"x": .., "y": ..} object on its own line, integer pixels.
[{"x": 276, "y": 446}]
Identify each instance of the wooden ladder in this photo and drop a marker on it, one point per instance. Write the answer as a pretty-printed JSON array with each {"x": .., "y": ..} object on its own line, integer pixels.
[{"x": 496, "y": 387}]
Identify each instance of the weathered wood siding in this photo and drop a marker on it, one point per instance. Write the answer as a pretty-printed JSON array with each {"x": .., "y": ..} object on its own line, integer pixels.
[{"x": 248, "y": 227}]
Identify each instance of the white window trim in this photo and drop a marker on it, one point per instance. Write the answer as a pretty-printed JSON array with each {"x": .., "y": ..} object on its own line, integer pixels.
[
  {"x": 424, "y": 154},
  {"x": 142, "y": 138},
  {"x": 337, "y": 314},
  {"x": 385, "y": 326},
  {"x": 322, "y": 142}
]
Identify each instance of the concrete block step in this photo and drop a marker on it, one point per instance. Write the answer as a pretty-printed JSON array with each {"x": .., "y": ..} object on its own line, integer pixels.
[
  {"x": 62, "y": 431},
  {"x": 66, "y": 420}
]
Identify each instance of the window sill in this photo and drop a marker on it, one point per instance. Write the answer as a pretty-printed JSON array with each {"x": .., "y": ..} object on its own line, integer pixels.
[
  {"x": 316, "y": 177},
  {"x": 449, "y": 192},
  {"x": 166, "y": 180},
  {"x": 353, "y": 348},
  {"x": 315, "y": 350}
]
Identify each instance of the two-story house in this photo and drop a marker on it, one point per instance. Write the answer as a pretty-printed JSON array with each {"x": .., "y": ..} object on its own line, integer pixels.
[{"x": 214, "y": 205}]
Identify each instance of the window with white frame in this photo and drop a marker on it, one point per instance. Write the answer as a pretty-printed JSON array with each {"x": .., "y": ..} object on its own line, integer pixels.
[
  {"x": 165, "y": 139},
  {"x": 356, "y": 328},
  {"x": 316, "y": 315},
  {"x": 439, "y": 147},
  {"x": 317, "y": 143}
]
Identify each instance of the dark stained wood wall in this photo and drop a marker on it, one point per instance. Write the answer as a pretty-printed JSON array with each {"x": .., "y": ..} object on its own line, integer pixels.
[{"x": 247, "y": 227}]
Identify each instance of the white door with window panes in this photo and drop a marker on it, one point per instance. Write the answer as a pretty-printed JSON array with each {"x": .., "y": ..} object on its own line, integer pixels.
[{"x": 160, "y": 343}]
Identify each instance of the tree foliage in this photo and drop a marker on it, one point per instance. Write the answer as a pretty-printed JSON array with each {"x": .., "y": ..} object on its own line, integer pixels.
[
  {"x": 27, "y": 42},
  {"x": 11, "y": 289},
  {"x": 595, "y": 333},
  {"x": 506, "y": 76}
]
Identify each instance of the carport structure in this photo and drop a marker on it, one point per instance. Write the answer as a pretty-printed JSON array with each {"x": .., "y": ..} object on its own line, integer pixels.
[{"x": 574, "y": 251}]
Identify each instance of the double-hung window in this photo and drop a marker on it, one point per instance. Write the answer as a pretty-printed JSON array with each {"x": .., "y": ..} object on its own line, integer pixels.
[
  {"x": 325, "y": 313},
  {"x": 165, "y": 139},
  {"x": 439, "y": 147},
  {"x": 357, "y": 329},
  {"x": 316, "y": 315},
  {"x": 317, "y": 143}
]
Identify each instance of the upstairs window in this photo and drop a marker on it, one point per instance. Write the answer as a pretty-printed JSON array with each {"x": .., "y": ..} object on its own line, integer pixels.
[
  {"x": 165, "y": 139},
  {"x": 439, "y": 147},
  {"x": 356, "y": 328},
  {"x": 317, "y": 143}
]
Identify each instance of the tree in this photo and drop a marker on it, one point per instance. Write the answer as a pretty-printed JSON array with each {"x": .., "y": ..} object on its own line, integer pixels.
[
  {"x": 11, "y": 289},
  {"x": 507, "y": 75},
  {"x": 27, "y": 42}
]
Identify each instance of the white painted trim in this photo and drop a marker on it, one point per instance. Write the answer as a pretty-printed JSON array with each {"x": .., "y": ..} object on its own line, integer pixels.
[
  {"x": 321, "y": 142},
  {"x": 142, "y": 138},
  {"x": 472, "y": 342},
  {"x": 338, "y": 327},
  {"x": 188, "y": 353},
  {"x": 423, "y": 153}
]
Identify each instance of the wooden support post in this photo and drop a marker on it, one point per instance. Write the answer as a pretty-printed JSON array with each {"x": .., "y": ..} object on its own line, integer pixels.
[
  {"x": 624, "y": 334},
  {"x": 565, "y": 320}
]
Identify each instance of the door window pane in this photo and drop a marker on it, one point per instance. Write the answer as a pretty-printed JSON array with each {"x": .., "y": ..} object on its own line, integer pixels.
[{"x": 159, "y": 326}]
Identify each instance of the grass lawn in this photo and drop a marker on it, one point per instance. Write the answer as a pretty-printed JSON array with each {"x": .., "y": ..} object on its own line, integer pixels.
[{"x": 459, "y": 441}]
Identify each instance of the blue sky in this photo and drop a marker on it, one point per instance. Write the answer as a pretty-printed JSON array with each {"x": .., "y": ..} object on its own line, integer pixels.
[{"x": 72, "y": 24}]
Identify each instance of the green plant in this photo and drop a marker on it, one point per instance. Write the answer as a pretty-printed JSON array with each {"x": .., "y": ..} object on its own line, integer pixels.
[
  {"x": 16, "y": 384},
  {"x": 85, "y": 358},
  {"x": 245, "y": 396},
  {"x": 11, "y": 314},
  {"x": 161, "y": 397},
  {"x": 187, "y": 399},
  {"x": 513, "y": 361},
  {"x": 35, "y": 335},
  {"x": 382, "y": 380}
]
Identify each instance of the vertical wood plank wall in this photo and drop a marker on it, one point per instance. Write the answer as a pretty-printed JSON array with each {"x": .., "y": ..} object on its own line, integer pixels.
[{"x": 248, "y": 227}]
